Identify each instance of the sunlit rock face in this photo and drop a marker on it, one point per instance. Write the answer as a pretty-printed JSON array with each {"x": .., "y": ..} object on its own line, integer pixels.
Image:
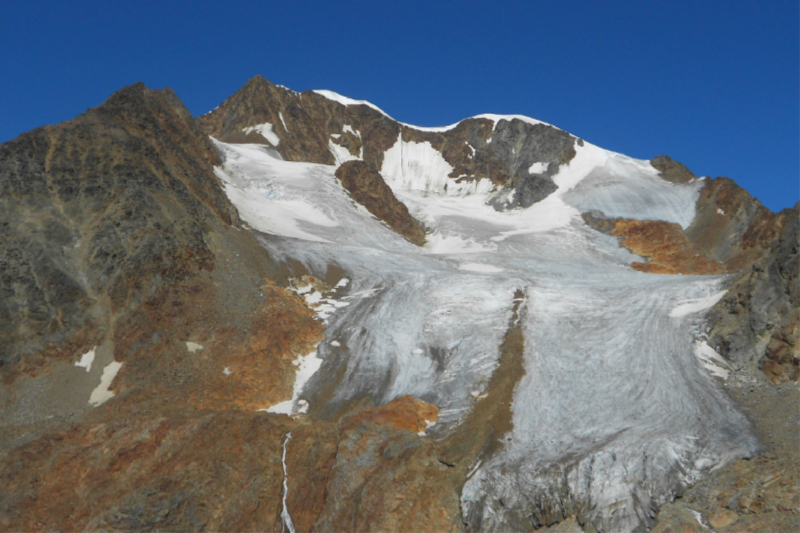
[{"x": 487, "y": 326}]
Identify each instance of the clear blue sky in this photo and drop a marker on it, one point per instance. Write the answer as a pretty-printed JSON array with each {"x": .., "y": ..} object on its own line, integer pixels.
[{"x": 714, "y": 84}]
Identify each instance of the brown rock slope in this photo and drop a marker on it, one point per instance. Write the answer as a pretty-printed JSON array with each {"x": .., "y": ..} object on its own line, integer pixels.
[{"x": 367, "y": 188}]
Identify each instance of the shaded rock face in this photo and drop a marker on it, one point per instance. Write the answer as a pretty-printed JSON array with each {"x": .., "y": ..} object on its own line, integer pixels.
[
  {"x": 309, "y": 127},
  {"x": 672, "y": 170},
  {"x": 368, "y": 189},
  {"x": 758, "y": 319},
  {"x": 118, "y": 193}
]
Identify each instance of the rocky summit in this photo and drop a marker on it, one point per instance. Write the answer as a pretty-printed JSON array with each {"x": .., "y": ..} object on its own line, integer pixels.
[{"x": 295, "y": 313}]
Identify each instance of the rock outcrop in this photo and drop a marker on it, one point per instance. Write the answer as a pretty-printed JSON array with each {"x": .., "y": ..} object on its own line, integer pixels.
[{"x": 367, "y": 187}]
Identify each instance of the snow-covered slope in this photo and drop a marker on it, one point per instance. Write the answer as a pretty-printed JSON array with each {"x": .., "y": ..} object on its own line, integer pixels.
[{"x": 615, "y": 412}]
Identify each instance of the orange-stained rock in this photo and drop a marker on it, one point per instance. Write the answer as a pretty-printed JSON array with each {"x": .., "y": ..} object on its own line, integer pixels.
[
  {"x": 176, "y": 470},
  {"x": 406, "y": 412},
  {"x": 259, "y": 373},
  {"x": 666, "y": 246}
]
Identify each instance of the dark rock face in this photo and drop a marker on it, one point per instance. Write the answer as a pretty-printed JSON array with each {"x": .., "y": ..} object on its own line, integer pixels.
[
  {"x": 671, "y": 170},
  {"x": 759, "y": 318},
  {"x": 109, "y": 207},
  {"x": 368, "y": 188},
  {"x": 521, "y": 145},
  {"x": 117, "y": 233}
]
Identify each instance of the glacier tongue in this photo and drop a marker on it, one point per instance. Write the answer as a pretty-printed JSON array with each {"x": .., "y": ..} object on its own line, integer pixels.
[{"x": 614, "y": 414}]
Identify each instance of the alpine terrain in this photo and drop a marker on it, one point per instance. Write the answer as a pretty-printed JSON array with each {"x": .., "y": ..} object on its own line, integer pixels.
[{"x": 295, "y": 313}]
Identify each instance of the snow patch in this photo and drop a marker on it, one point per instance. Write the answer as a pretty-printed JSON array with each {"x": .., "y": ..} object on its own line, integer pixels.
[
  {"x": 193, "y": 346},
  {"x": 280, "y": 115},
  {"x": 720, "y": 211},
  {"x": 695, "y": 306},
  {"x": 509, "y": 118},
  {"x": 342, "y": 154},
  {"x": 428, "y": 425},
  {"x": 344, "y": 100},
  {"x": 324, "y": 306},
  {"x": 285, "y": 516},
  {"x": 306, "y": 365},
  {"x": 86, "y": 360},
  {"x": 711, "y": 360},
  {"x": 265, "y": 130},
  {"x": 101, "y": 394},
  {"x": 538, "y": 168},
  {"x": 227, "y": 371}
]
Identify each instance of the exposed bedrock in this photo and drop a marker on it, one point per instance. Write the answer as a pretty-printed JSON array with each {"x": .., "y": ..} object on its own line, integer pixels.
[
  {"x": 758, "y": 319},
  {"x": 672, "y": 170}
]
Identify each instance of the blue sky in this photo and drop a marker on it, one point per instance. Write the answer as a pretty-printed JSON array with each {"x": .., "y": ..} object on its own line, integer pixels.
[{"x": 714, "y": 84}]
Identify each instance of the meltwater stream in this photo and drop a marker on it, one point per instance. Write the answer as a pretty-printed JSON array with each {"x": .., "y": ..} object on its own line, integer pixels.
[{"x": 614, "y": 415}]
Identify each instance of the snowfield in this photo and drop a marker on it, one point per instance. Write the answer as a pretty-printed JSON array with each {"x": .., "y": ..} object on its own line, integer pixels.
[{"x": 620, "y": 404}]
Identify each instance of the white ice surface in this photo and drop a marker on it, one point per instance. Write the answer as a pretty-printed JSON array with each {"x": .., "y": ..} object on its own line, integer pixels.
[
  {"x": 86, "y": 360},
  {"x": 266, "y": 131},
  {"x": 623, "y": 187},
  {"x": 479, "y": 267},
  {"x": 613, "y": 387},
  {"x": 101, "y": 394}
]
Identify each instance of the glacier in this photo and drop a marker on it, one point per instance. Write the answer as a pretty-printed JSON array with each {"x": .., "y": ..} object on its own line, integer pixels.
[{"x": 615, "y": 414}]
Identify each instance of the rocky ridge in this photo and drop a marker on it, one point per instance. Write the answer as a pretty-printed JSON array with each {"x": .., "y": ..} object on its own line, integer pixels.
[{"x": 316, "y": 128}]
